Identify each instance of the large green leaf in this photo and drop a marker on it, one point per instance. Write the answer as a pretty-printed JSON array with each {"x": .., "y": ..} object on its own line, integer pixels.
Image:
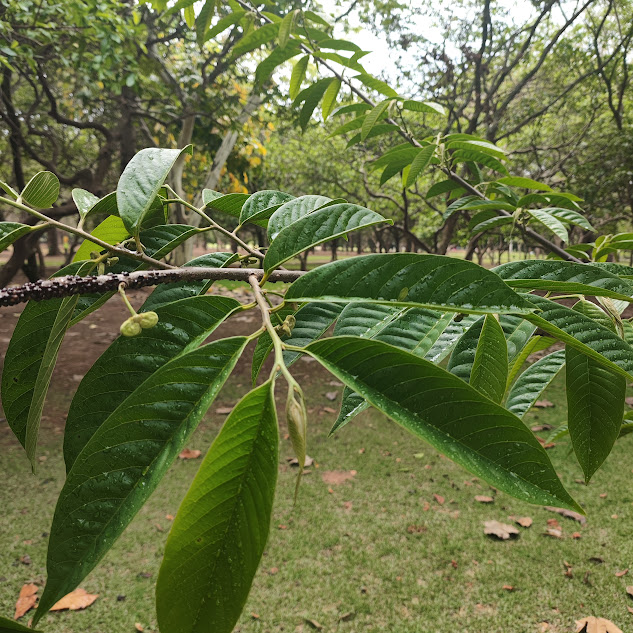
[
  {"x": 452, "y": 329},
  {"x": 595, "y": 406},
  {"x": 111, "y": 230},
  {"x": 533, "y": 381},
  {"x": 313, "y": 95},
  {"x": 276, "y": 58},
  {"x": 292, "y": 210},
  {"x": 352, "y": 404},
  {"x": 410, "y": 279},
  {"x": 262, "y": 202},
  {"x": 559, "y": 276},
  {"x": 373, "y": 116},
  {"x": 222, "y": 525},
  {"x": 10, "y": 232},
  {"x": 256, "y": 38},
  {"x": 490, "y": 367},
  {"x": 463, "y": 356},
  {"x": 583, "y": 334},
  {"x": 517, "y": 332},
  {"x": 84, "y": 201},
  {"x": 453, "y": 417},
  {"x": 551, "y": 222},
  {"x": 536, "y": 344},
  {"x": 42, "y": 190},
  {"x": 230, "y": 203},
  {"x": 297, "y": 76},
  {"x": 124, "y": 460},
  {"x": 167, "y": 293},
  {"x": 319, "y": 226},
  {"x": 10, "y": 626},
  {"x": 128, "y": 362},
  {"x": 140, "y": 182}
]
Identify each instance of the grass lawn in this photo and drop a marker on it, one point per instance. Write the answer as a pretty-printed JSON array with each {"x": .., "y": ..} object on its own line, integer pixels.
[{"x": 379, "y": 551}]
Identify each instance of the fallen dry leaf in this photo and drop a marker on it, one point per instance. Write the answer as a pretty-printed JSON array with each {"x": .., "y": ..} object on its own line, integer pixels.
[
  {"x": 74, "y": 601},
  {"x": 190, "y": 453},
  {"x": 553, "y": 523},
  {"x": 26, "y": 600},
  {"x": 629, "y": 590},
  {"x": 598, "y": 560},
  {"x": 576, "y": 535},
  {"x": 314, "y": 624},
  {"x": 224, "y": 410},
  {"x": 439, "y": 499},
  {"x": 543, "y": 404},
  {"x": 630, "y": 610},
  {"x": 542, "y": 427},
  {"x": 336, "y": 477},
  {"x": 139, "y": 627},
  {"x": 331, "y": 395},
  {"x": 502, "y": 531},
  {"x": 553, "y": 532},
  {"x": 347, "y": 505},
  {"x": 346, "y": 617},
  {"x": 596, "y": 625},
  {"x": 169, "y": 517},
  {"x": 569, "y": 514},
  {"x": 484, "y": 499},
  {"x": 603, "y": 495},
  {"x": 327, "y": 409},
  {"x": 619, "y": 574},
  {"x": 525, "y": 522},
  {"x": 416, "y": 529},
  {"x": 508, "y": 588}
]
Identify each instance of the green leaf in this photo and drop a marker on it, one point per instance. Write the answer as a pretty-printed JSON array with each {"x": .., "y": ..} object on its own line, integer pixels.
[
  {"x": 262, "y": 201},
  {"x": 552, "y": 223},
  {"x": 329, "y": 98},
  {"x": 106, "y": 205},
  {"x": 490, "y": 367},
  {"x": 230, "y": 203},
  {"x": 317, "y": 227},
  {"x": 313, "y": 96},
  {"x": 260, "y": 36},
  {"x": 84, "y": 201},
  {"x": 444, "y": 186},
  {"x": 352, "y": 404},
  {"x": 452, "y": 329},
  {"x": 349, "y": 126},
  {"x": 124, "y": 460},
  {"x": 424, "y": 106},
  {"x": 401, "y": 157},
  {"x": 167, "y": 293},
  {"x": 419, "y": 164},
  {"x": 190, "y": 16},
  {"x": 289, "y": 212},
  {"x": 377, "y": 130},
  {"x": 141, "y": 181},
  {"x": 410, "y": 279},
  {"x": 128, "y": 362},
  {"x": 8, "y": 189},
  {"x": 10, "y": 232},
  {"x": 533, "y": 382},
  {"x": 517, "y": 332},
  {"x": 570, "y": 216},
  {"x": 286, "y": 27},
  {"x": 373, "y": 116},
  {"x": 583, "y": 334},
  {"x": 595, "y": 405},
  {"x": 492, "y": 223},
  {"x": 450, "y": 415},
  {"x": 567, "y": 277},
  {"x": 476, "y": 145},
  {"x": 224, "y": 23},
  {"x": 535, "y": 344},
  {"x": 298, "y": 75},
  {"x": 466, "y": 156},
  {"x": 276, "y": 58},
  {"x": 352, "y": 107},
  {"x": 235, "y": 485},
  {"x": 463, "y": 356},
  {"x": 316, "y": 18},
  {"x": 203, "y": 21},
  {"x": 9, "y": 626},
  {"x": 377, "y": 85},
  {"x": 42, "y": 190},
  {"x": 524, "y": 183}
]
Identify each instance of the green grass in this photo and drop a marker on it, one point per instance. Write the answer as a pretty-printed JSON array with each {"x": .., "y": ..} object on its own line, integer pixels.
[{"x": 349, "y": 550}]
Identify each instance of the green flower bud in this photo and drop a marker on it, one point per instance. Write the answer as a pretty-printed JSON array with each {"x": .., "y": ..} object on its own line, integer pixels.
[
  {"x": 130, "y": 327},
  {"x": 147, "y": 320}
]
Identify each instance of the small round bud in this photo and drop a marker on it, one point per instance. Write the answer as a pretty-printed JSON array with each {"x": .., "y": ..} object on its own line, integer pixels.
[
  {"x": 130, "y": 327},
  {"x": 147, "y": 320}
]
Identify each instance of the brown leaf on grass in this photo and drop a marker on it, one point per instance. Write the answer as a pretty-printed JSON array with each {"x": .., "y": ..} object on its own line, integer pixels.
[
  {"x": 332, "y": 395},
  {"x": 542, "y": 427},
  {"x": 576, "y": 535},
  {"x": 169, "y": 517},
  {"x": 501, "y": 531},
  {"x": 416, "y": 529},
  {"x": 328, "y": 410},
  {"x": 629, "y": 590},
  {"x": 189, "y": 453},
  {"x": 543, "y": 404},
  {"x": 630, "y": 610},
  {"x": 553, "y": 523},
  {"x": 525, "y": 522},
  {"x": 26, "y": 600},
  {"x": 314, "y": 624},
  {"x": 508, "y": 588},
  {"x": 629, "y": 400},
  {"x": 346, "y": 617},
  {"x": 439, "y": 498},
  {"x": 596, "y": 625},
  {"x": 598, "y": 560},
  {"x": 569, "y": 514},
  {"x": 224, "y": 410},
  {"x": 619, "y": 574},
  {"x": 553, "y": 532},
  {"x": 603, "y": 495},
  {"x": 293, "y": 461},
  {"x": 75, "y": 600},
  {"x": 347, "y": 505},
  {"x": 139, "y": 627},
  {"x": 336, "y": 477},
  {"x": 484, "y": 499}
]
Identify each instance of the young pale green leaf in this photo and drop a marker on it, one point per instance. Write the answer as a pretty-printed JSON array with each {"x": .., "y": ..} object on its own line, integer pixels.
[
  {"x": 419, "y": 164},
  {"x": 490, "y": 367},
  {"x": 373, "y": 116},
  {"x": 235, "y": 485},
  {"x": 317, "y": 227},
  {"x": 129, "y": 361},
  {"x": 8, "y": 189},
  {"x": 583, "y": 334},
  {"x": 224, "y": 23},
  {"x": 524, "y": 183},
  {"x": 256, "y": 38},
  {"x": 84, "y": 201},
  {"x": 298, "y": 75},
  {"x": 10, "y": 626},
  {"x": 536, "y": 344},
  {"x": 551, "y": 222},
  {"x": 424, "y": 106},
  {"x": 140, "y": 182},
  {"x": 190, "y": 16},
  {"x": 10, "y": 232},
  {"x": 329, "y": 98},
  {"x": 42, "y": 190},
  {"x": 276, "y": 58},
  {"x": 124, "y": 460},
  {"x": 414, "y": 279},
  {"x": 313, "y": 96},
  {"x": 595, "y": 405},
  {"x": 453, "y": 417},
  {"x": 106, "y": 205},
  {"x": 203, "y": 21},
  {"x": 533, "y": 381},
  {"x": 377, "y": 85},
  {"x": 267, "y": 200},
  {"x": 294, "y": 209},
  {"x": 286, "y": 27},
  {"x": 568, "y": 277}
]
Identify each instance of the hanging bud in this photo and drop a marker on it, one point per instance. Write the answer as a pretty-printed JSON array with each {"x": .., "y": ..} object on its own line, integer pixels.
[
  {"x": 130, "y": 327},
  {"x": 146, "y": 320},
  {"x": 288, "y": 324}
]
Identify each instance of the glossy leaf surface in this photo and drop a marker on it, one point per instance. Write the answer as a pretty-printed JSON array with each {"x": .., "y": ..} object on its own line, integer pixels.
[{"x": 490, "y": 367}]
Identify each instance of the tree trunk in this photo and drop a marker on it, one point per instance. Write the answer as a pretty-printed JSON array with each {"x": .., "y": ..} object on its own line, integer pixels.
[{"x": 53, "y": 242}]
